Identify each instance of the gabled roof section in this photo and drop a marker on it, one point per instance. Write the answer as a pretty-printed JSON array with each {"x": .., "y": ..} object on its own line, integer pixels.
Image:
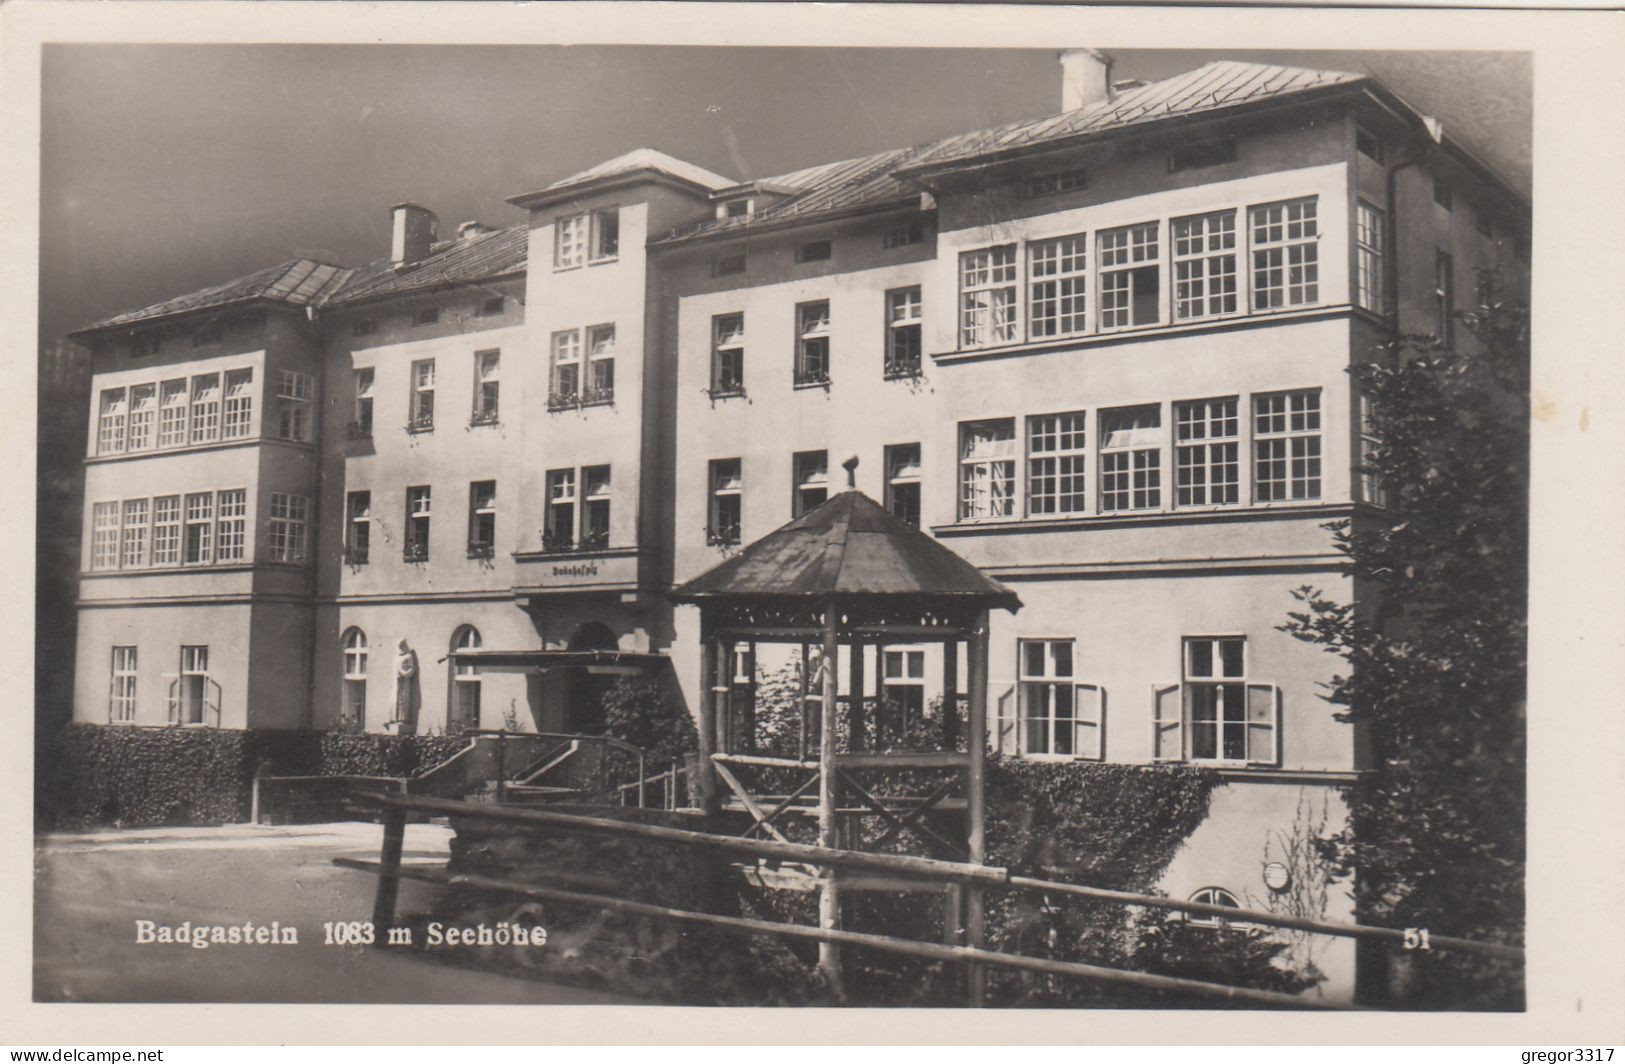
[
  {"x": 849, "y": 546},
  {"x": 640, "y": 162},
  {"x": 300, "y": 283},
  {"x": 876, "y": 181},
  {"x": 466, "y": 260}
]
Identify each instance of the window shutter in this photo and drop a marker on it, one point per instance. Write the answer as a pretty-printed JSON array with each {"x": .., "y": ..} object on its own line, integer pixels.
[
  {"x": 1167, "y": 722},
  {"x": 1089, "y": 710},
  {"x": 213, "y": 704},
  {"x": 1263, "y": 724},
  {"x": 1007, "y": 737},
  {"x": 173, "y": 698}
]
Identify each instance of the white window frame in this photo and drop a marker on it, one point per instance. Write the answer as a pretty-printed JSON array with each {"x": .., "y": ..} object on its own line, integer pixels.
[
  {"x": 355, "y": 677},
  {"x": 287, "y": 526},
  {"x": 133, "y": 533},
  {"x": 1287, "y": 431},
  {"x": 294, "y": 392},
  {"x": 1124, "y": 251},
  {"x": 989, "y": 296},
  {"x": 1046, "y": 689},
  {"x": 987, "y": 460},
  {"x": 174, "y": 409},
  {"x": 197, "y": 514},
  {"x": 111, "y": 421},
  {"x": 482, "y": 518},
  {"x": 465, "y": 680},
  {"x": 123, "y": 685},
  {"x": 598, "y": 386},
  {"x": 727, "y": 344},
  {"x": 166, "y": 530},
  {"x": 902, "y": 669},
  {"x": 1205, "y": 276},
  {"x": 904, "y": 333},
  {"x": 810, "y": 471},
  {"x": 1207, "y": 452},
  {"x": 596, "y": 498},
  {"x": 419, "y": 523},
  {"x": 1372, "y": 489},
  {"x": 142, "y": 427},
  {"x": 237, "y": 418},
  {"x": 571, "y": 233},
  {"x": 1057, "y": 464},
  {"x": 1257, "y": 720},
  {"x": 902, "y": 473},
  {"x": 204, "y": 408},
  {"x": 1285, "y": 254},
  {"x": 104, "y": 539},
  {"x": 487, "y": 387},
  {"x": 357, "y": 527},
  {"x": 1058, "y": 286},
  {"x": 812, "y": 361},
  {"x": 1368, "y": 280},
  {"x": 563, "y": 498},
  {"x": 595, "y": 246},
  {"x": 363, "y": 380},
  {"x": 231, "y": 525},
  {"x": 720, "y": 485},
  {"x": 194, "y": 663},
  {"x": 564, "y": 388},
  {"x": 1130, "y": 475},
  {"x": 420, "y": 414}
]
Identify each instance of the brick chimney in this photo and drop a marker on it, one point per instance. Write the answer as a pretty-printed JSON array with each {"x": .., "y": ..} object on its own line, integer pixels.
[
  {"x": 1086, "y": 77},
  {"x": 413, "y": 232}
]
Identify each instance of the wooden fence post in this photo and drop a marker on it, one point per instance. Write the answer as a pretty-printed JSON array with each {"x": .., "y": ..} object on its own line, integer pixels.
[
  {"x": 389, "y": 857},
  {"x": 975, "y": 798},
  {"x": 829, "y": 904}
]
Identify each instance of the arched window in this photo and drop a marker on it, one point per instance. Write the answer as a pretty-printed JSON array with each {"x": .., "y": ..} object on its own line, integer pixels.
[
  {"x": 355, "y": 677},
  {"x": 1214, "y": 896},
  {"x": 464, "y": 708}
]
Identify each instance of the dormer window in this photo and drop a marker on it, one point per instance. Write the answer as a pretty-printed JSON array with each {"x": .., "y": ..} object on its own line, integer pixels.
[{"x": 743, "y": 207}]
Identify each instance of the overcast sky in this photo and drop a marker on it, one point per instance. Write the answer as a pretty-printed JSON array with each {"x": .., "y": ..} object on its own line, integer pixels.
[{"x": 166, "y": 168}]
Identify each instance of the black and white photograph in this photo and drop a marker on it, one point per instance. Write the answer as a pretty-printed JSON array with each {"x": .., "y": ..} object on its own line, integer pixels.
[{"x": 886, "y": 524}]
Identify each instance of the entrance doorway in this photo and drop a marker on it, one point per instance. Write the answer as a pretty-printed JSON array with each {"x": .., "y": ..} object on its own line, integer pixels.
[{"x": 585, "y": 690}]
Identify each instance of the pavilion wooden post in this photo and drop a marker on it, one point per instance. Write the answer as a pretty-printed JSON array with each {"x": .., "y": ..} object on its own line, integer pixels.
[
  {"x": 950, "y": 693},
  {"x": 975, "y": 791},
  {"x": 829, "y": 904},
  {"x": 856, "y": 718},
  {"x": 706, "y": 784}
]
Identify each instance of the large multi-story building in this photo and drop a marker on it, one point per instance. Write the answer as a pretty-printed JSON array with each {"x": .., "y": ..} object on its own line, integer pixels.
[{"x": 1104, "y": 355}]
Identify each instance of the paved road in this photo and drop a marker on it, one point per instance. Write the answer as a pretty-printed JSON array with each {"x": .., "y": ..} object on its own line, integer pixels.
[{"x": 89, "y": 891}]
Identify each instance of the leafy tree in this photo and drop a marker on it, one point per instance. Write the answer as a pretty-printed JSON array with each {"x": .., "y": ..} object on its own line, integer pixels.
[{"x": 1436, "y": 645}]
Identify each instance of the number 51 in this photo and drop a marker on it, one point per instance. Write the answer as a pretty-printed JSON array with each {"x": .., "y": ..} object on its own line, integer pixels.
[{"x": 1417, "y": 938}]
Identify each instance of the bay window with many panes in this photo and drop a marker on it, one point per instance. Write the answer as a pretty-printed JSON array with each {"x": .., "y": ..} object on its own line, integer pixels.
[
  {"x": 1286, "y": 254},
  {"x": 1204, "y": 265},
  {"x": 1206, "y": 453},
  {"x": 987, "y": 297},
  {"x": 1131, "y": 459},
  {"x": 1057, "y": 286},
  {"x": 1130, "y": 275},
  {"x": 1057, "y": 462},
  {"x": 987, "y": 469},
  {"x": 121, "y": 706},
  {"x": 205, "y": 412}
]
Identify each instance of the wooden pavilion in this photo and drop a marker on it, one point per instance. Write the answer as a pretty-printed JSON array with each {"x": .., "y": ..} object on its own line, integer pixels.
[{"x": 848, "y": 573}]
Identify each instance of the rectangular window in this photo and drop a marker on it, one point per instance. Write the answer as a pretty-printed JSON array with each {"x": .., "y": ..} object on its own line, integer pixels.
[
  {"x": 903, "y": 324},
  {"x": 293, "y": 398},
  {"x": 143, "y": 410},
  {"x": 728, "y": 265},
  {"x": 110, "y": 427},
  {"x": 1207, "y": 463},
  {"x": 416, "y": 548},
  {"x": 1205, "y": 265},
  {"x": 737, "y": 208},
  {"x": 166, "y": 530},
  {"x": 570, "y": 241},
  {"x": 192, "y": 701},
  {"x": 1130, "y": 278},
  {"x": 595, "y": 500},
  {"x": 1368, "y": 291},
  {"x": 1444, "y": 296},
  {"x": 903, "y": 236},
  {"x": 566, "y": 368},
  {"x": 1442, "y": 195},
  {"x": 728, "y": 354},
  {"x": 987, "y": 297},
  {"x": 122, "y": 707},
  {"x": 814, "y": 251},
  {"x": 1372, "y": 489},
  {"x": 903, "y": 482},
  {"x": 812, "y": 343},
  {"x": 239, "y": 403},
  {"x": 357, "y": 527},
  {"x": 144, "y": 346},
  {"x": 1058, "y": 286},
  {"x": 361, "y": 416},
  {"x": 133, "y": 544},
  {"x": 421, "y": 410},
  {"x": 560, "y": 531},
  {"x": 902, "y": 685},
  {"x": 286, "y": 533},
  {"x": 1059, "y": 181},
  {"x": 606, "y": 234},
  {"x": 1286, "y": 254},
  {"x": 231, "y": 525},
  {"x": 812, "y": 481},
  {"x": 1201, "y": 155},
  {"x": 1056, "y": 464},
  {"x": 426, "y": 316},
  {"x": 1368, "y": 145},
  {"x": 172, "y": 413},
  {"x": 104, "y": 535},
  {"x": 727, "y": 489},
  {"x": 1131, "y": 459},
  {"x": 491, "y": 308},
  {"x": 1216, "y": 698},
  {"x": 364, "y": 327},
  {"x": 1483, "y": 223},
  {"x": 600, "y": 364},
  {"x": 1286, "y": 446},
  {"x": 482, "y": 519},
  {"x": 987, "y": 469},
  {"x": 206, "y": 408},
  {"x": 197, "y": 537},
  {"x": 487, "y": 387},
  {"x": 1051, "y": 724},
  {"x": 209, "y": 334}
]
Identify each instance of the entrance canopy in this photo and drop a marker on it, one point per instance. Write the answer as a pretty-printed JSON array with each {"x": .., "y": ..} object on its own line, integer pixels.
[{"x": 594, "y": 661}]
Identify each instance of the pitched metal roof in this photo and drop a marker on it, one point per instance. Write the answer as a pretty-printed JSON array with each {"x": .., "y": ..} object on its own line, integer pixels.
[
  {"x": 301, "y": 282},
  {"x": 877, "y": 180},
  {"x": 465, "y": 260},
  {"x": 645, "y": 161},
  {"x": 851, "y": 545}
]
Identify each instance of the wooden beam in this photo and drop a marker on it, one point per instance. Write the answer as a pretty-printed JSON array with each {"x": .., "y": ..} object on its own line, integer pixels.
[
  {"x": 389, "y": 860},
  {"x": 829, "y": 903},
  {"x": 857, "y": 727},
  {"x": 760, "y": 761},
  {"x": 750, "y": 803},
  {"x": 975, "y": 799},
  {"x": 902, "y": 823},
  {"x": 905, "y": 759},
  {"x": 710, "y": 799},
  {"x": 950, "y": 693}
]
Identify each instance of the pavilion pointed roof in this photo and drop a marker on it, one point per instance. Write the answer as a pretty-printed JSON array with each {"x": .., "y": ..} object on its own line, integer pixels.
[{"x": 849, "y": 546}]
